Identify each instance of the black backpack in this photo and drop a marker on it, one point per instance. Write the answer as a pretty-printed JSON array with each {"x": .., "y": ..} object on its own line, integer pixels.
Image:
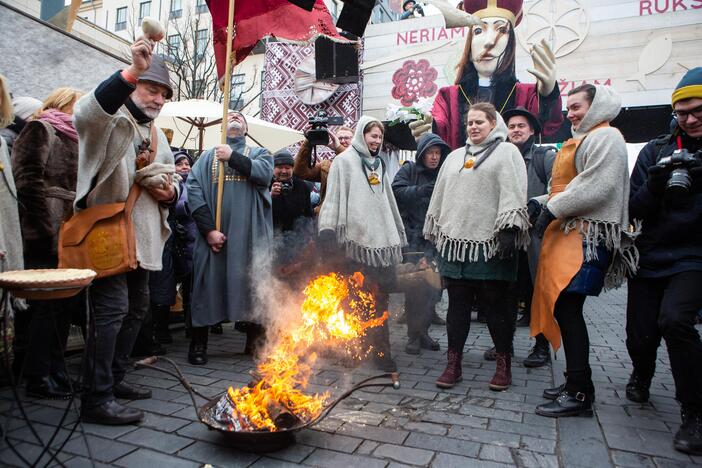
[{"x": 538, "y": 159}]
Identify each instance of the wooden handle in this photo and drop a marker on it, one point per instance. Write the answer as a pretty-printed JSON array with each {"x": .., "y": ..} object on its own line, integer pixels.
[{"x": 225, "y": 111}]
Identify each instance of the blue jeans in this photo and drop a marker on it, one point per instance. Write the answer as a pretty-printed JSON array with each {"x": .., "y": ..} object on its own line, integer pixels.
[{"x": 119, "y": 304}]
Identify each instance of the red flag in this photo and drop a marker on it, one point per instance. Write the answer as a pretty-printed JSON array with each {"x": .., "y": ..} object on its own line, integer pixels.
[{"x": 256, "y": 19}]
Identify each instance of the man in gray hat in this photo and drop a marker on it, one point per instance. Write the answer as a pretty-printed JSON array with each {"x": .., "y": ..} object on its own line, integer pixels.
[{"x": 116, "y": 143}]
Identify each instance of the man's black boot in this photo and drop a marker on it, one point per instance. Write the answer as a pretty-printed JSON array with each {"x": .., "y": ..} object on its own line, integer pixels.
[
  {"x": 197, "y": 354},
  {"x": 567, "y": 404},
  {"x": 110, "y": 413},
  {"x": 540, "y": 354},
  {"x": 47, "y": 388},
  {"x": 637, "y": 390},
  {"x": 127, "y": 392},
  {"x": 688, "y": 439}
]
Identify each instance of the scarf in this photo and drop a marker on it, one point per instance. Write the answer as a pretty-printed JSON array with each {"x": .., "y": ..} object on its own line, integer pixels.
[
  {"x": 61, "y": 121},
  {"x": 364, "y": 217},
  {"x": 469, "y": 206}
]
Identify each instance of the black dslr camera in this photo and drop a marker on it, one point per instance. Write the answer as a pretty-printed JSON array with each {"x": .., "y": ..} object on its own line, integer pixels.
[
  {"x": 681, "y": 161},
  {"x": 286, "y": 187},
  {"x": 318, "y": 134}
]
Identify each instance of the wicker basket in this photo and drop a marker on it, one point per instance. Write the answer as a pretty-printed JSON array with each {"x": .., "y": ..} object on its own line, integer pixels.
[{"x": 46, "y": 283}]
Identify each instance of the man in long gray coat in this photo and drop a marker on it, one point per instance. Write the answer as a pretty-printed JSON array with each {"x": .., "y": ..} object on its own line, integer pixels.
[
  {"x": 225, "y": 260},
  {"x": 114, "y": 126}
]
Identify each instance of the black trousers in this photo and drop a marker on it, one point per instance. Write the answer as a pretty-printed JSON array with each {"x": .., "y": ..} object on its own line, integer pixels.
[
  {"x": 667, "y": 308},
  {"x": 496, "y": 301},
  {"x": 568, "y": 312}
]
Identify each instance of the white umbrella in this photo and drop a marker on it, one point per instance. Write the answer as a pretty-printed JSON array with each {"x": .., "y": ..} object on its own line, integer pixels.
[{"x": 196, "y": 125}]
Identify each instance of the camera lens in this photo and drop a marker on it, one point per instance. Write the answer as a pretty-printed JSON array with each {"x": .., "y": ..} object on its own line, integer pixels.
[{"x": 679, "y": 182}]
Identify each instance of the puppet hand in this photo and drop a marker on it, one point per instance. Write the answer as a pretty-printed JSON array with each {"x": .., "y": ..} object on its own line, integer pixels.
[
  {"x": 544, "y": 67},
  {"x": 421, "y": 126}
]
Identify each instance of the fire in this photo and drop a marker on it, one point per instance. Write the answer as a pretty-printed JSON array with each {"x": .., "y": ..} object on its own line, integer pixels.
[{"x": 336, "y": 312}]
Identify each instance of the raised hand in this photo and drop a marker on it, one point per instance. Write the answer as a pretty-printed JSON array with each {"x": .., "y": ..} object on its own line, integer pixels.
[
  {"x": 421, "y": 126},
  {"x": 544, "y": 67},
  {"x": 142, "y": 51}
]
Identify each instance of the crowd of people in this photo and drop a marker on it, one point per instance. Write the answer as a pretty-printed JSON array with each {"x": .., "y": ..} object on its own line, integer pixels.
[{"x": 507, "y": 224}]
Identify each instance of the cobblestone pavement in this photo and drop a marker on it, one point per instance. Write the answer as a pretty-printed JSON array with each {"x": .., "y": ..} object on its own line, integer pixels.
[{"x": 466, "y": 426}]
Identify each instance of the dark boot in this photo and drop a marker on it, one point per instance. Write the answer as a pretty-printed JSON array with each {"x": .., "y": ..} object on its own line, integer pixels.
[
  {"x": 552, "y": 393},
  {"x": 637, "y": 390},
  {"x": 436, "y": 320},
  {"x": 540, "y": 354},
  {"x": 255, "y": 335},
  {"x": 503, "y": 372},
  {"x": 47, "y": 388},
  {"x": 427, "y": 342},
  {"x": 567, "y": 404},
  {"x": 453, "y": 372},
  {"x": 197, "y": 355},
  {"x": 413, "y": 346},
  {"x": 688, "y": 439},
  {"x": 217, "y": 329},
  {"x": 161, "y": 317}
]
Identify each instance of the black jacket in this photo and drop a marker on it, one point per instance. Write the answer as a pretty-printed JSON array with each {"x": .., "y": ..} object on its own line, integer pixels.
[
  {"x": 413, "y": 186},
  {"x": 671, "y": 240},
  {"x": 290, "y": 207}
]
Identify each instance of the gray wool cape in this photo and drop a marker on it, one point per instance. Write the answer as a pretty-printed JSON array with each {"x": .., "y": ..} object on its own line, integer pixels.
[
  {"x": 10, "y": 233},
  {"x": 596, "y": 201},
  {"x": 470, "y": 206},
  {"x": 223, "y": 282},
  {"x": 364, "y": 217},
  {"x": 107, "y": 150}
]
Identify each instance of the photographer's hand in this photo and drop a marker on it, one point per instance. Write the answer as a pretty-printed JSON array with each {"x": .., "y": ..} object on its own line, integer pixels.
[
  {"x": 276, "y": 189},
  {"x": 696, "y": 175},
  {"x": 333, "y": 141},
  {"x": 657, "y": 179}
]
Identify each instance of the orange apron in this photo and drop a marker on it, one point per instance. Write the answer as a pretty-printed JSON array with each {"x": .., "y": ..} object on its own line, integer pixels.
[{"x": 561, "y": 255}]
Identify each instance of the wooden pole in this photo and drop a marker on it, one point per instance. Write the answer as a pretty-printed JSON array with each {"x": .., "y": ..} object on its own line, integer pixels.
[{"x": 225, "y": 110}]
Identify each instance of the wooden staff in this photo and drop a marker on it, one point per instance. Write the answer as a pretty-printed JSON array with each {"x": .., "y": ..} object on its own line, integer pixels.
[{"x": 225, "y": 111}]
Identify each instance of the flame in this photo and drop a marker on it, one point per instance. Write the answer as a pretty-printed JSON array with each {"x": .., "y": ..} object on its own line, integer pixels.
[{"x": 336, "y": 312}]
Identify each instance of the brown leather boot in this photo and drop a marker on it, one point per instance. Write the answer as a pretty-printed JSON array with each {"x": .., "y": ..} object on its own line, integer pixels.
[
  {"x": 453, "y": 372},
  {"x": 503, "y": 372}
]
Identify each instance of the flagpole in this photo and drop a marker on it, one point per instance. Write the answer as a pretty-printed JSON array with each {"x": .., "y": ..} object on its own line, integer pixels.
[{"x": 225, "y": 111}]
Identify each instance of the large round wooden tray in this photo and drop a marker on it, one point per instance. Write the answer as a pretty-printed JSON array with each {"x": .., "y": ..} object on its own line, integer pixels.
[{"x": 43, "y": 284}]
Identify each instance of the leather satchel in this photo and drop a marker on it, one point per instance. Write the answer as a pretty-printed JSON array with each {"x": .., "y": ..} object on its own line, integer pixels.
[{"x": 101, "y": 238}]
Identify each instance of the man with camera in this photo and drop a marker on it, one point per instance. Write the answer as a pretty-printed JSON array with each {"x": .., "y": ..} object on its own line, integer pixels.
[
  {"x": 291, "y": 195},
  {"x": 318, "y": 171},
  {"x": 410, "y": 9},
  {"x": 665, "y": 295}
]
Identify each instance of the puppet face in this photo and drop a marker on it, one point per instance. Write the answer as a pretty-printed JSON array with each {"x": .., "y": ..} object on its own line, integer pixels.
[{"x": 488, "y": 45}]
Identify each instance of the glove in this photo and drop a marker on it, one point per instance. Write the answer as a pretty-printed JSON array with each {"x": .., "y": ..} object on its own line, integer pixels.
[
  {"x": 426, "y": 190},
  {"x": 326, "y": 242},
  {"x": 533, "y": 209},
  {"x": 421, "y": 126},
  {"x": 545, "y": 218},
  {"x": 506, "y": 242},
  {"x": 657, "y": 179}
]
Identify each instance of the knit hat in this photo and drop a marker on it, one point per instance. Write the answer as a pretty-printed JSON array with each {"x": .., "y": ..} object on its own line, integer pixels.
[
  {"x": 178, "y": 155},
  {"x": 158, "y": 73},
  {"x": 404, "y": 4},
  {"x": 511, "y": 10},
  {"x": 24, "y": 106},
  {"x": 690, "y": 86},
  {"x": 283, "y": 158},
  {"x": 533, "y": 121}
]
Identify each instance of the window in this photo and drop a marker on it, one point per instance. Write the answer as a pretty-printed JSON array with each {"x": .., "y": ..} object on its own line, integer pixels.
[
  {"x": 173, "y": 46},
  {"x": 200, "y": 43},
  {"x": 176, "y": 9},
  {"x": 144, "y": 10},
  {"x": 121, "y": 21},
  {"x": 236, "y": 98},
  {"x": 201, "y": 6}
]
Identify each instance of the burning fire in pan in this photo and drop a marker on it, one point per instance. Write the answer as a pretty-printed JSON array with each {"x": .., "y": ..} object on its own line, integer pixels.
[{"x": 336, "y": 313}]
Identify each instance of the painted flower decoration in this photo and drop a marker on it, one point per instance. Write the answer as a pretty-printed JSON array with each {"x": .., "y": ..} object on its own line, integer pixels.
[{"x": 414, "y": 80}]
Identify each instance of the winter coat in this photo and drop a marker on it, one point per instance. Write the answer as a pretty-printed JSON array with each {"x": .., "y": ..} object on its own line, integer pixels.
[
  {"x": 45, "y": 166},
  {"x": 539, "y": 163},
  {"x": 292, "y": 208},
  {"x": 10, "y": 234},
  {"x": 317, "y": 173},
  {"x": 671, "y": 236},
  {"x": 413, "y": 186}
]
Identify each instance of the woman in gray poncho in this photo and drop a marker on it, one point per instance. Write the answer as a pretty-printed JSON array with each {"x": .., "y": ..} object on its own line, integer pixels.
[
  {"x": 360, "y": 220},
  {"x": 477, "y": 219},
  {"x": 587, "y": 243}
]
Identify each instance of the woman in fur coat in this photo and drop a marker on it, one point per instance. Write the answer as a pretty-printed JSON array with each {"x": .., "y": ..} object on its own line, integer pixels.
[
  {"x": 587, "y": 243},
  {"x": 45, "y": 164},
  {"x": 477, "y": 219}
]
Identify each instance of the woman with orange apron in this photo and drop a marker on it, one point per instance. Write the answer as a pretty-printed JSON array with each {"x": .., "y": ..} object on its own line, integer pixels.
[{"x": 586, "y": 244}]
